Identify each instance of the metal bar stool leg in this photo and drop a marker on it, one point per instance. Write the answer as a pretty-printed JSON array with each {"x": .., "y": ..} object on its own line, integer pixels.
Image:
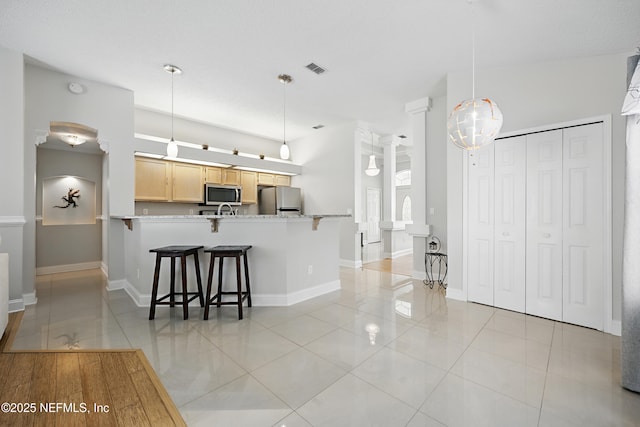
[
  {"x": 172, "y": 290},
  {"x": 154, "y": 289}
]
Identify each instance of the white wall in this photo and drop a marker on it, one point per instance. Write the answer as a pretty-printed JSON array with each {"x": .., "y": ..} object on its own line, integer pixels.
[
  {"x": 331, "y": 174},
  {"x": 437, "y": 169},
  {"x": 58, "y": 245},
  {"x": 106, "y": 108},
  {"x": 535, "y": 95},
  {"x": 11, "y": 166}
]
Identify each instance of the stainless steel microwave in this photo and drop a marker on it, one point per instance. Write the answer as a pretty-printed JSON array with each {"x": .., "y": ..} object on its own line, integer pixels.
[{"x": 216, "y": 194}]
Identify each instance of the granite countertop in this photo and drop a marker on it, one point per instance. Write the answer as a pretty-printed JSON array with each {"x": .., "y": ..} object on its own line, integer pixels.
[{"x": 231, "y": 216}]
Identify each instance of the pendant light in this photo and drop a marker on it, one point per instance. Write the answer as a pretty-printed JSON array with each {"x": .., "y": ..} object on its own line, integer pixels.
[
  {"x": 372, "y": 169},
  {"x": 474, "y": 122},
  {"x": 284, "y": 148},
  {"x": 172, "y": 147}
]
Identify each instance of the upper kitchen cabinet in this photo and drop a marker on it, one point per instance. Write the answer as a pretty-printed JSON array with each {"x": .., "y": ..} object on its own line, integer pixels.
[
  {"x": 231, "y": 177},
  {"x": 282, "y": 181},
  {"x": 152, "y": 180},
  {"x": 249, "y": 182},
  {"x": 213, "y": 175},
  {"x": 187, "y": 183},
  {"x": 270, "y": 179}
]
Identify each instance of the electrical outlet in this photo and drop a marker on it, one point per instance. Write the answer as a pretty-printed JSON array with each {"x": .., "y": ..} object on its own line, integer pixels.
[
  {"x": 138, "y": 273},
  {"x": 310, "y": 269},
  {"x": 190, "y": 211},
  {"x": 432, "y": 211},
  {"x": 145, "y": 211}
]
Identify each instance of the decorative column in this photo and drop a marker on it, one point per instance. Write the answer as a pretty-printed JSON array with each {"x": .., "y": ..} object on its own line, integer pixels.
[
  {"x": 394, "y": 238},
  {"x": 420, "y": 230}
]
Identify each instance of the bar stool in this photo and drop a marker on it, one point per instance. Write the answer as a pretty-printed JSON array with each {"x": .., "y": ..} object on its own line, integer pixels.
[
  {"x": 222, "y": 252},
  {"x": 174, "y": 252}
]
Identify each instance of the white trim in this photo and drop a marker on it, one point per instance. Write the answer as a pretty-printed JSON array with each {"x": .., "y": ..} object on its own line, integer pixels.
[
  {"x": 12, "y": 221},
  {"x": 279, "y": 300},
  {"x": 456, "y": 294},
  {"x": 347, "y": 263},
  {"x": 115, "y": 285},
  {"x": 104, "y": 268},
  {"x": 16, "y": 305},
  {"x": 92, "y": 265},
  {"x": 29, "y": 299},
  {"x": 397, "y": 254},
  {"x": 609, "y": 324},
  {"x": 257, "y": 300},
  {"x": 616, "y": 327}
]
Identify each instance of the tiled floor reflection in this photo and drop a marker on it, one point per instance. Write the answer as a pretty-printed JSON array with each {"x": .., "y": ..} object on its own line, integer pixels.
[{"x": 385, "y": 350}]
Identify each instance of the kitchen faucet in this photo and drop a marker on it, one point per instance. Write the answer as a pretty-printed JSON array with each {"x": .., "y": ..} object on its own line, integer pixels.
[{"x": 223, "y": 205}]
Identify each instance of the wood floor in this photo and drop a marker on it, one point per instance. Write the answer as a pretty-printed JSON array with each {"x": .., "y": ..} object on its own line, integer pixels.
[
  {"x": 78, "y": 388},
  {"x": 401, "y": 265}
]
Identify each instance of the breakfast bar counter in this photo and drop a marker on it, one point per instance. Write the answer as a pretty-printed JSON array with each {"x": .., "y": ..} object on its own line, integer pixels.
[{"x": 293, "y": 258}]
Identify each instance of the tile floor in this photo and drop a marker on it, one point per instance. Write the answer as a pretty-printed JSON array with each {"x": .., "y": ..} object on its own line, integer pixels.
[{"x": 383, "y": 351}]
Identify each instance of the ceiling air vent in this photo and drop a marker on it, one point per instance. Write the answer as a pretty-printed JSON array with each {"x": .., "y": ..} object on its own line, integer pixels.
[
  {"x": 316, "y": 68},
  {"x": 318, "y": 126}
]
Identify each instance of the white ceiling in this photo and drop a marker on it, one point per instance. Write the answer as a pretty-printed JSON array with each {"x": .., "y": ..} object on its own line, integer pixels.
[{"x": 380, "y": 54}]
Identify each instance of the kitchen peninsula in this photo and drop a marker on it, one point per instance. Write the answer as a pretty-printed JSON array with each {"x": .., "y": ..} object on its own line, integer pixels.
[{"x": 293, "y": 258}]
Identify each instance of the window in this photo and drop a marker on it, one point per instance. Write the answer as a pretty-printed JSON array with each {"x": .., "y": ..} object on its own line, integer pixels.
[
  {"x": 403, "y": 178},
  {"x": 406, "y": 208}
]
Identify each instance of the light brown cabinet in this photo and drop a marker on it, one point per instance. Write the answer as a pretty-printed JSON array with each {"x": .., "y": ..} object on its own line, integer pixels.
[
  {"x": 266, "y": 179},
  {"x": 213, "y": 175},
  {"x": 282, "y": 180},
  {"x": 187, "y": 183},
  {"x": 231, "y": 177},
  {"x": 249, "y": 182},
  {"x": 271, "y": 179},
  {"x": 152, "y": 180}
]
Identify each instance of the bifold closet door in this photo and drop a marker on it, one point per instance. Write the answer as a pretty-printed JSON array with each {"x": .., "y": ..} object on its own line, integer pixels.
[
  {"x": 583, "y": 226},
  {"x": 544, "y": 252},
  {"x": 509, "y": 227},
  {"x": 480, "y": 246}
]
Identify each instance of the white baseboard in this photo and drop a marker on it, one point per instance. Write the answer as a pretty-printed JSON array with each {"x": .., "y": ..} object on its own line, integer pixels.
[
  {"x": 279, "y": 300},
  {"x": 30, "y": 298},
  {"x": 105, "y": 269},
  {"x": 350, "y": 263},
  {"x": 397, "y": 254},
  {"x": 68, "y": 268},
  {"x": 16, "y": 305},
  {"x": 114, "y": 285},
  {"x": 616, "y": 328},
  {"x": 456, "y": 294}
]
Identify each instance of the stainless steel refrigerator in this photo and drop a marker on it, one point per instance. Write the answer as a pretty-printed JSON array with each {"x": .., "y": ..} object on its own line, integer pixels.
[{"x": 279, "y": 201}]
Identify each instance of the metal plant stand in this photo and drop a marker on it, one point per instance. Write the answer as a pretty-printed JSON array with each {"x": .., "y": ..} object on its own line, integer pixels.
[{"x": 435, "y": 266}]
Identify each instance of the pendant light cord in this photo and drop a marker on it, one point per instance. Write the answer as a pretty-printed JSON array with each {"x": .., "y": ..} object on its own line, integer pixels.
[
  {"x": 172, "y": 73},
  {"x": 284, "y": 112},
  {"x": 473, "y": 52}
]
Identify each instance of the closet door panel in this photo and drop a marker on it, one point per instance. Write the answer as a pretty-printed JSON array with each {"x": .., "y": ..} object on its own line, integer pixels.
[
  {"x": 509, "y": 230},
  {"x": 481, "y": 205},
  {"x": 544, "y": 255},
  {"x": 583, "y": 226}
]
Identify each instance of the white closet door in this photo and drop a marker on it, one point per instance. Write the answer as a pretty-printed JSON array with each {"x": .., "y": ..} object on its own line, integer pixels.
[
  {"x": 509, "y": 235},
  {"x": 583, "y": 226},
  {"x": 544, "y": 225},
  {"x": 480, "y": 263}
]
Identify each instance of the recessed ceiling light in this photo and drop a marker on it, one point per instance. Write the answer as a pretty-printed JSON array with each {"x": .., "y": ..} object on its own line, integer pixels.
[
  {"x": 318, "y": 126},
  {"x": 402, "y": 136}
]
